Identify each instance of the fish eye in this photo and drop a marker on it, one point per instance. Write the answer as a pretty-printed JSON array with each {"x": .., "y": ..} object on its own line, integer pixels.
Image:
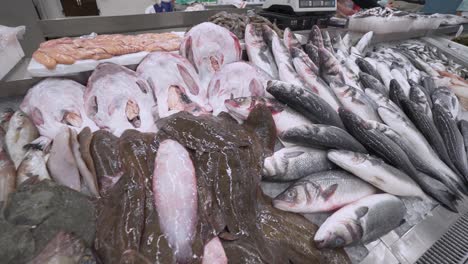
[
  {"x": 339, "y": 241},
  {"x": 240, "y": 99},
  {"x": 292, "y": 193}
]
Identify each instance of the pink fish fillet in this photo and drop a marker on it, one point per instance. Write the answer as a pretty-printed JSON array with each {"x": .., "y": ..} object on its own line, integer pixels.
[
  {"x": 213, "y": 252},
  {"x": 175, "y": 197}
]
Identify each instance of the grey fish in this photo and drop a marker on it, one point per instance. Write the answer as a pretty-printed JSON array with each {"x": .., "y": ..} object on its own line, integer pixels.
[
  {"x": 452, "y": 137},
  {"x": 323, "y": 192},
  {"x": 338, "y": 44},
  {"x": 418, "y": 96},
  {"x": 463, "y": 124},
  {"x": 376, "y": 172},
  {"x": 423, "y": 89},
  {"x": 273, "y": 189},
  {"x": 382, "y": 100},
  {"x": 305, "y": 102},
  {"x": 364, "y": 41},
  {"x": 427, "y": 127},
  {"x": 356, "y": 101},
  {"x": 330, "y": 67},
  {"x": 366, "y": 67},
  {"x": 322, "y": 136},
  {"x": 327, "y": 42},
  {"x": 315, "y": 36},
  {"x": 362, "y": 221},
  {"x": 21, "y": 131},
  {"x": 292, "y": 163},
  {"x": 258, "y": 51},
  {"x": 369, "y": 81},
  {"x": 313, "y": 53},
  {"x": 447, "y": 99},
  {"x": 396, "y": 93},
  {"x": 429, "y": 84}
]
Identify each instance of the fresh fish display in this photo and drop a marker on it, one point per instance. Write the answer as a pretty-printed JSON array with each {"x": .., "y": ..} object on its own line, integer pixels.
[
  {"x": 305, "y": 102},
  {"x": 208, "y": 47},
  {"x": 118, "y": 99},
  {"x": 382, "y": 100},
  {"x": 285, "y": 118},
  {"x": 258, "y": 51},
  {"x": 323, "y": 192},
  {"x": 174, "y": 83},
  {"x": 321, "y": 136},
  {"x": 64, "y": 107},
  {"x": 364, "y": 220},
  {"x": 292, "y": 163},
  {"x": 376, "y": 172},
  {"x": 356, "y": 100},
  {"x": 21, "y": 131},
  {"x": 238, "y": 79},
  {"x": 384, "y": 73}
]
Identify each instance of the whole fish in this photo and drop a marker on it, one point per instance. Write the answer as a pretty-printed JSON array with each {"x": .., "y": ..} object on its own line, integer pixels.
[
  {"x": 364, "y": 41},
  {"x": 7, "y": 170},
  {"x": 414, "y": 138},
  {"x": 427, "y": 127},
  {"x": 376, "y": 172},
  {"x": 315, "y": 36},
  {"x": 366, "y": 67},
  {"x": 175, "y": 197},
  {"x": 285, "y": 118},
  {"x": 323, "y": 192},
  {"x": 452, "y": 137},
  {"x": 304, "y": 67},
  {"x": 327, "y": 42},
  {"x": 356, "y": 101},
  {"x": 447, "y": 99},
  {"x": 384, "y": 73},
  {"x": 418, "y": 96},
  {"x": 208, "y": 47},
  {"x": 258, "y": 51},
  {"x": 369, "y": 81},
  {"x": 290, "y": 39},
  {"x": 313, "y": 53},
  {"x": 33, "y": 164},
  {"x": 305, "y": 102},
  {"x": 21, "y": 131},
  {"x": 402, "y": 81},
  {"x": 292, "y": 163},
  {"x": 321, "y": 136},
  {"x": 396, "y": 93},
  {"x": 362, "y": 221}
]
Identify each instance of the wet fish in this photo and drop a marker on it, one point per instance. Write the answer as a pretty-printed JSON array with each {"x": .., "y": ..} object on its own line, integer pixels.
[
  {"x": 369, "y": 81},
  {"x": 305, "y": 102},
  {"x": 332, "y": 71},
  {"x": 292, "y": 163},
  {"x": 323, "y": 192},
  {"x": 356, "y": 101},
  {"x": 376, "y": 172},
  {"x": 21, "y": 131},
  {"x": 402, "y": 81},
  {"x": 362, "y": 221},
  {"x": 7, "y": 170},
  {"x": 327, "y": 42},
  {"x": 273, "y": 189},
  {"x": 322, "y": 136},
  {"x": 33, "y": 164},
  {"x": 315, "y": 36},
  {"x": 396, "y": 93},
  {"x": 285, "y": 118},
  {"x": 382, "y": 100},
  {"x": 313, "y": 53},
  {"x": 304, "y": 67},
  {"x": 364, "y": 41},
  {"x": 447, "y": 99},
  {"x": 420, "y": 89},
  {"x": 175, "y": 197},
  {"x": 301, "y": 56},
  {"x": 452, "y": 137},
  {"x": 429, "y": 84},
  {"x": 258, "y": 51},
  {"x": 290, "y": 39},
  {"x": 366, "y": 67},
  {"x": 340, "y": 45},
  {"x": 418, "y": 96}
]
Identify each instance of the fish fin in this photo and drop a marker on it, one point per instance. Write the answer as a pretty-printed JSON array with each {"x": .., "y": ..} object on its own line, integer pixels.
[
  {"x": 293, "y": 154},
  {"x": 255, "y": 88},
  {"x": 361, "y": 211},
  {"x": 328, "y": 192},
  {"x": 357, "y": 101},
  {"x": 192, "y": 85},
  {"x": 143, "y": 86},
  {"x": 37, "y": 117}
]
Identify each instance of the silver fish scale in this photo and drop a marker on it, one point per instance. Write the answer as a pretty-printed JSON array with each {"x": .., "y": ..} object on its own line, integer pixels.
[{"x": 451, "y": 248}]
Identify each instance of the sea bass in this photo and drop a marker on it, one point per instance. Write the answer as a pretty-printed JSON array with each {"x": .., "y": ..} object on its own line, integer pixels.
[
  {"x": 376, "y": 172},
  {"x": 21, "y": 131},
  {"x": 361, "y": 221},
  {"x": 258, "y": 51},
  {"x": 323, "y": 192},
  {"x": 208, "y": 47},
  {"x": 292, "y": 163}
]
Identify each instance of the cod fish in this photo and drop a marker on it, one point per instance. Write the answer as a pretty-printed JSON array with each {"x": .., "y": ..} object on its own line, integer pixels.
[
  {"x": 118, "y": 99},
  {"x": 56, "y": 103},
  {"x": 356, "y": 101},
  {"x": 304, "y": 67},
  {"x": 323, "y": 136},
  {"x": 174, "y": 83},
  {"x": 376, "y": 172},
  {"x": 369, "y": 81},
  {"x": 7, "y": 170},
  {"x": 208, "y": 47},
  {"x": 305, "y": 102},
  {"x": 362, "y": 221},
  {"x": 258, "y": 51},
  {"x": 323, "y": 192},
  {"x": 292, "y": 163},
  {"x": 452, "y": 137},
  {"x": 285, "y": 118},
  {"x": 447, "y": 99},
  {"x": 234, "y": 80},
  {"x": 33, "y": 164},
  {"x": 175, "y": 197},
  {"x": 21, "y": 131}
]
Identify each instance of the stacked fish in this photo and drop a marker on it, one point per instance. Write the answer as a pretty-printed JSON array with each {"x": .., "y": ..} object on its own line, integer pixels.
[{"x": 353, "y": 126}]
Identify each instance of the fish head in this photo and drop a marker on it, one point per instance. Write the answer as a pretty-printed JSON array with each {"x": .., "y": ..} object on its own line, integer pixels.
[
  {"x": 336, "y": 234},
  {"x": 268, "y": 35},
  {"x": 292, "y": 199},
  {"x": 242, "y": 106},
  {"x": 20, "y": 120},
  {"x": 346, "y": 159},
  {"x": 283, "y": 89}
]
